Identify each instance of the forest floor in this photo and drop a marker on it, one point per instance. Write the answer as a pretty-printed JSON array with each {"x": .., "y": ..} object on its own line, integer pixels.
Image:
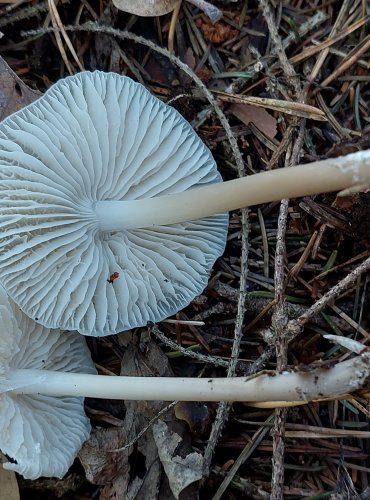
[{"x": 280, "y": 259}]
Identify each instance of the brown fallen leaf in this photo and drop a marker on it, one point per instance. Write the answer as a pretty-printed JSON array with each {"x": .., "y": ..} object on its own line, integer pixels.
[
  {"x": 181, "y": 471},
  {"x": 101, "y": 466},
  {"x": 189, "y": 58},
  {"x": 126, "y": 461},
  {"x": 197, "y": 415},
  {"x": 128, "y": 467},
  {"x": 219, "y": 32},
  {"x": 14, "y": 94},
  {"x": 261, "y": 118},
  {"x": 8, "y": 483}
]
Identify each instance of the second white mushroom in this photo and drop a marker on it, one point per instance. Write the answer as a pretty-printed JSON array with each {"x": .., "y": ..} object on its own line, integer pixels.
[{"x": 44, "y": 375}]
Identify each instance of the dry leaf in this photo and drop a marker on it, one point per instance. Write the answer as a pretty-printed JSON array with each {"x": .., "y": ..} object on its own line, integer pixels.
[
  {"x": 219, "y": 32},
  {"x": 8, "y": 483},
  {"x": 198, "y": 416},
  {"x": 149, "y": 8},
  {"x": 189, "y": 58},
  {"x": 146, "y": 8},
  {"x": 139, "y": 479},
  {"x": 134, "y": 472},
  {"x": 51, "y": 487},
  {"x": 14, "y": 94},
  {"x": 101, "y": 466},
  {"x": 259, "y": 116},
  {"x": 180, "y": 471}
]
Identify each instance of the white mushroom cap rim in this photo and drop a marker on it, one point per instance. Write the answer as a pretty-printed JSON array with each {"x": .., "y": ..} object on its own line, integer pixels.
[{"x": 40, "y": 433}]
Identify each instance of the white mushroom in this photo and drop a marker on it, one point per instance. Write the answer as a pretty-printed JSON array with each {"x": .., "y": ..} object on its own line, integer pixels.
[
  {"x": 41, "y": 434},
  {"x": 42, "y": 421},
  {"x": 98, "y": 183},
  {"x": 97, "y": 137}
]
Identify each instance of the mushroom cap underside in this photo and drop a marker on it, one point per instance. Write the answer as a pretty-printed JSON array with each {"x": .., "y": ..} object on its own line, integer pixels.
[
  {"x": 40, "y": 434},
  {"x": 94, "y": 137}
]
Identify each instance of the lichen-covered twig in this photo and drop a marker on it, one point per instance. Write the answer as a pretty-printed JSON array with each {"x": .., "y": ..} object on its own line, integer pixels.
[
  {"x": 214, "y": 360},
  {"x": 336, "y": 290}
]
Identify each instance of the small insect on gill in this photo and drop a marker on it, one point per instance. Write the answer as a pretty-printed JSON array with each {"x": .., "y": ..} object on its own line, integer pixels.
[{"x": 113, "y": 277}]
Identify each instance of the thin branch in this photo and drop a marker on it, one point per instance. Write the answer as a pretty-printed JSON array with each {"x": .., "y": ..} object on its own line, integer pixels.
[
  {"x": 186, "y": 351},
  {"x": 337, "y": 289},
  {"x": 243, "y": 457},
  {"x": 278, "y": 45}
]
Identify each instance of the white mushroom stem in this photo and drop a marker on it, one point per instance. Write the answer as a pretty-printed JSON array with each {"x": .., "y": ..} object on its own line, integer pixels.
[
  {"x": 334, "y": 174},
  {"x": 318, "y": 383}
]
